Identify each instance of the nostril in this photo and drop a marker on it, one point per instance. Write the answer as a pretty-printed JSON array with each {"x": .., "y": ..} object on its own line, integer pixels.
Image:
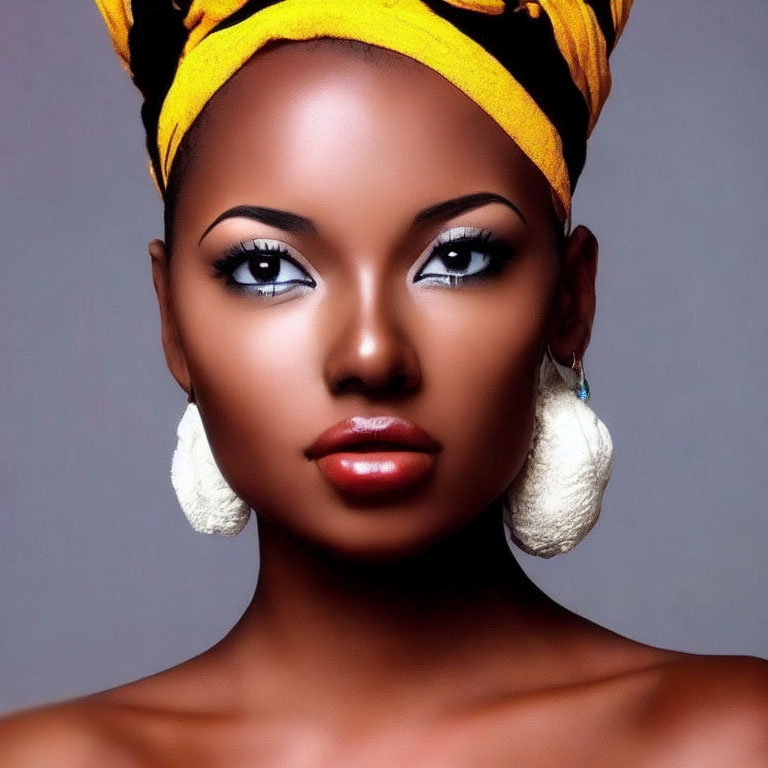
[
  {"x": 346, "y": 385},
  {"x": 402, "y": 382},
  {"x": 392, "y": 385},
  {"x": 383, "y": 363}
]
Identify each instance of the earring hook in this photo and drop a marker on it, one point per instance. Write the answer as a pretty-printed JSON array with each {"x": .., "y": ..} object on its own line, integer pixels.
[{"x": 582, "y": 392}]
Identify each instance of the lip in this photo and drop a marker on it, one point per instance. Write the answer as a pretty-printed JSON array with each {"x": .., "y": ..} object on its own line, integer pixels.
[
  {"x": 376, "y": 433},
  {"x": 367, "y": 456}
]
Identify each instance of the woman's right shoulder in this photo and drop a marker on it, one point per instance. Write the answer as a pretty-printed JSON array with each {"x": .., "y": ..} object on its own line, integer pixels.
[
  {"x": 63, "y": 735},
  {"x": 123, "y": 727}
]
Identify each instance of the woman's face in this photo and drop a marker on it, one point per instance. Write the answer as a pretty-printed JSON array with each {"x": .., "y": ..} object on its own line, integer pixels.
[{"x": 350, "y": 306}]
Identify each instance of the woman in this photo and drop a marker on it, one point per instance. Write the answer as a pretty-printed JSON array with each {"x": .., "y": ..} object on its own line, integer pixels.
[{"x": 352, "y": 240}]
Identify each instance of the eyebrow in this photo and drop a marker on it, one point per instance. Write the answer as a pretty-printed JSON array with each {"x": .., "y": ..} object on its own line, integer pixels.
[
  {"x": 293, "y": 222},
  {"x": 290, "y": 222},
  {"x": 449, "y": 208}
]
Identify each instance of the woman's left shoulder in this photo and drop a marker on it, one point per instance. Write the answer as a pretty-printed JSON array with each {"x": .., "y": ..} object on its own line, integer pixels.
[
  {"x": 711, "y": 710},
  {"x": 737, "y": 680}
]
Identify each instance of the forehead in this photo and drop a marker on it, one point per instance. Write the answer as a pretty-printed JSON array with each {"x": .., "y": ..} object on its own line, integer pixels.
[{"x": 318, "y": 128}]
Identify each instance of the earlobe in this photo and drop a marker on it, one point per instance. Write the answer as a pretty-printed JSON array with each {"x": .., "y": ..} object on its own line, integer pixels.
[
  {"x": 574, "y": 306},
  {"x": 174, "y": 356}
]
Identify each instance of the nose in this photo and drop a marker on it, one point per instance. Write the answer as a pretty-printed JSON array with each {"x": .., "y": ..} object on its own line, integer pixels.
[{"x": 371, "y": 353}]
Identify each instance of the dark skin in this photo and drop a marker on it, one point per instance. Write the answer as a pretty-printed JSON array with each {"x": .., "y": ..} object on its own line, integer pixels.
[{"x": 399, "y": 633}]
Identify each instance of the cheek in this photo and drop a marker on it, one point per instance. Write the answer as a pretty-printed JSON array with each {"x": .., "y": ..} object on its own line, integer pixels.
[
  {"x": 252, "y": 370},
  {"x": 483, "y": 355}
]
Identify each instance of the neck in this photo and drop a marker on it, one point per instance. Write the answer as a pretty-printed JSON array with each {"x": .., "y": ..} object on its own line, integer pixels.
[
  {"x": 336, "y": 622},
  {"x": 467, "y": 568}
]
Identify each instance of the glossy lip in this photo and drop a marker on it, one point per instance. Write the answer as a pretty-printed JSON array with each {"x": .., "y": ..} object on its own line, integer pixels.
[{"x": 378, "y": 433}]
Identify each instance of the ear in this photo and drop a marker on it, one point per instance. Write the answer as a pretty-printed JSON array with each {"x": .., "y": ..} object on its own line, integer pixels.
[
  {"x": 574, "y": 305},
  {"x": 161, "y": 274}
]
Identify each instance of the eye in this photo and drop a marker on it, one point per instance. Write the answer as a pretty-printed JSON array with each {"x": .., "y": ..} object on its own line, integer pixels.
[
  {"x": 465, "y": 254},
  {"x": 262, "y": 267}
]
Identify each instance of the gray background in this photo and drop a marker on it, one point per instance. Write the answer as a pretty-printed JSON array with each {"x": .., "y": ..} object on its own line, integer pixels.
[{"x": 101, "y": 579}]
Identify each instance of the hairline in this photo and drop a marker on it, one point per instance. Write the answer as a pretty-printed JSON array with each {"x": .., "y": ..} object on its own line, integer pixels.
[{"x": 184, "y": 157}]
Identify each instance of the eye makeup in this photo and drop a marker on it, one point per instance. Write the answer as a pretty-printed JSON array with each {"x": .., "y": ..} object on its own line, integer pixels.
[
  {"x": 461, "y": 255},
  {"x": 464, "y": 255},
  {"x": 254, "y": 266}
]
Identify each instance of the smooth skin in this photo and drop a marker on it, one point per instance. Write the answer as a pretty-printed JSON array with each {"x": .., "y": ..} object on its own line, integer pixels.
[{"x": 398, "y": 632}]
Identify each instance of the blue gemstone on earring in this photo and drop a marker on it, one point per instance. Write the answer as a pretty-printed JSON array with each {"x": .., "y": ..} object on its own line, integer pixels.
[{"x": 583, "y": 391}]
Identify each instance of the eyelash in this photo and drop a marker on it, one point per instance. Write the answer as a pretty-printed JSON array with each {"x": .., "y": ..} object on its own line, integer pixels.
[
  {"x": 476, "y": 241},
  {"x": 228, "y": 265},
  {"x": 495, "y": 253}
]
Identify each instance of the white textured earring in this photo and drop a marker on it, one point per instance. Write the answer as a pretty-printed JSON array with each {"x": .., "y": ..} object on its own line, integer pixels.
[
  {"x": 555, "y": 500},
  {"x": 210, "y": 505}
]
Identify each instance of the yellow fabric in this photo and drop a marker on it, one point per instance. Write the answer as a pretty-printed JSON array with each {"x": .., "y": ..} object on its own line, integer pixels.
[
  {"x": 408, "y": 27},
  {"x": 405, "y": 26},
  {"x": 204, "y": 15},
  {"x": 119, "y": 20},
  {"x": 620, "y": 12},
  {"x": 492, "y": 7},
  {"x": 532, "y": 9},
  {"x": 583, "y": 46}
]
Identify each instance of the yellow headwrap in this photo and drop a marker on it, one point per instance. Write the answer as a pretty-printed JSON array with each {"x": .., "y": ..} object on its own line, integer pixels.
[{"x": 539, "y": 69}]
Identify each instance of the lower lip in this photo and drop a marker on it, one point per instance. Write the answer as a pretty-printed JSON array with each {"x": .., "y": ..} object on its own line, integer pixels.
[{"x": 375, "y": 472}]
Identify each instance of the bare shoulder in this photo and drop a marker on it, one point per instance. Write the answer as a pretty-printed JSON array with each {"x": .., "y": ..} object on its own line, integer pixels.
[
  {"x": 83, "y": 732},
  {"x": 129, "y": 726},
  {"x": 63, "y": 735},
  {"x": 709, "y": 711}
]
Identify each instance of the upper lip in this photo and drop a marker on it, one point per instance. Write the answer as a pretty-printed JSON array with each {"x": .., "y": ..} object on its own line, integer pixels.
[{"x": 376, "y": 432}]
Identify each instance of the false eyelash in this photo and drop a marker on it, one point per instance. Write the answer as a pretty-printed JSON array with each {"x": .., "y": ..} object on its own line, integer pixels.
[
  {"x": 237, "y": 254},
  {"x": 486, "y": 241}
]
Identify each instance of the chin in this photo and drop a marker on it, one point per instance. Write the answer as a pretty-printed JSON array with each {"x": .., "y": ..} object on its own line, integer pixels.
[
  {"x": 379, "y": 536},
  {"x": 382, "y": 551},
  {"x": 380, "y": 528}
]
